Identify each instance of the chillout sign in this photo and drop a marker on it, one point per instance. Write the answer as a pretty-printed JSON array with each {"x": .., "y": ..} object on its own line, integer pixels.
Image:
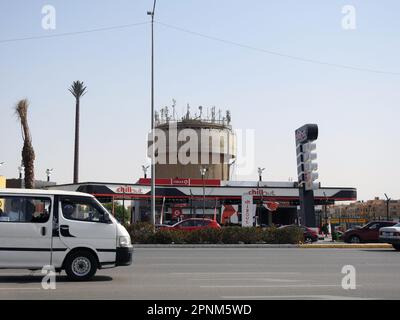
[
  {"x": 259, "y": 192},
  {"x": 128, "y": 190},
  {"x": 306, "y": 133}
]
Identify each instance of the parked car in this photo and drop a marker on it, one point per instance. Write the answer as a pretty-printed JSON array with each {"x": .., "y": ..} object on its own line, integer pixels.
[
  {"x": 391, "y": 235},
  {"x": 70, "y": 230},
  {"x": 192, "y": 224},
  {"x": 367, "y": 233},
  {"x": 309, "y": 234}
]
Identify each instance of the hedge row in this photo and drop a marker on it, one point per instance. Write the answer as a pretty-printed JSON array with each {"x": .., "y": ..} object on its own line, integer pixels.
[{"x": 143, "y": 233}]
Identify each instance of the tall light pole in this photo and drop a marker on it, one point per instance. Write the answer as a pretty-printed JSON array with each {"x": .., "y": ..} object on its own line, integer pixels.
[
  {"x": 48, "y": 173},
  {"x": 21, "y": 171},
  {"x": 144, "y": 168},
  {"x": 387, "y": 206},
  {"x": 153, "y": 182},
  {"x": 260, "y": 171},
  {"x": 325, "y": 209},
  {"x": 203, "y": 171}
]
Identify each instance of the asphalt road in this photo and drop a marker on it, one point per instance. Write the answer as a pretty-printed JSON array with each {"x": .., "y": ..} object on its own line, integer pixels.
[{"x": 231, "y": 273}]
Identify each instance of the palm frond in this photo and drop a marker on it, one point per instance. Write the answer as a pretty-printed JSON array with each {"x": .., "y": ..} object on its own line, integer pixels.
[{"x": 77, "y": 89}]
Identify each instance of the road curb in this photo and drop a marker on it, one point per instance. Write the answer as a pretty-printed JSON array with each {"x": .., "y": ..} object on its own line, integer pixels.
[
  {"x": 266, "y": 246},
  {"x": 347, "y": 246},
  {"x": 215, "y": 246}
]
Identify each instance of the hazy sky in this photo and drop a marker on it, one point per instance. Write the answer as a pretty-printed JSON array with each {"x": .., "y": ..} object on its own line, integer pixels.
[{"x": 357, "y": 112}]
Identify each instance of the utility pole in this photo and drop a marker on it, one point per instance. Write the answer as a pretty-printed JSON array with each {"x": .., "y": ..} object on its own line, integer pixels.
[
  {"x": 153, "y": 182},
  {"x": 387, "y": 206},
  {"x": 203, "y": 171},
  {"x": 260, "y": 202}
]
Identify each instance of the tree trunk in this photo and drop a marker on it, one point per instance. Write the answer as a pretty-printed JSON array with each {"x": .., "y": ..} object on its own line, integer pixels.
[{"x": 28, "y": 157}]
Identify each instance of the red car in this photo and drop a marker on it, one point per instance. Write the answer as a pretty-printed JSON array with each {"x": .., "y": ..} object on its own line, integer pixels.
[
  {"x": 192, "y": 224},
  {"x": 367, "y": 233}
]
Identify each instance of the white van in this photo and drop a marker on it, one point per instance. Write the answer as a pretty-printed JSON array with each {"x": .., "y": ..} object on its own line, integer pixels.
[{"x": 71, "y": 231}]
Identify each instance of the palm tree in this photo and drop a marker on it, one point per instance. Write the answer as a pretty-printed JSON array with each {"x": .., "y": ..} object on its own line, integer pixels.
[
  {"x": 77, "y": 89},
  {"x": 28, "y": 154}
]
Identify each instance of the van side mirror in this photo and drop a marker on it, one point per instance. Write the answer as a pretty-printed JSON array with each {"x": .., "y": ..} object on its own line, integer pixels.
[{"x": 106, "y": 219}]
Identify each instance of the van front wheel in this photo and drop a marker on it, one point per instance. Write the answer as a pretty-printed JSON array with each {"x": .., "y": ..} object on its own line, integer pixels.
[{"x": 80, "y": 266}]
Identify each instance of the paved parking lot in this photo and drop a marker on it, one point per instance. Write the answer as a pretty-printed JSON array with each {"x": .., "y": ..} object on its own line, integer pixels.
[{"x": 225, "y": 273}]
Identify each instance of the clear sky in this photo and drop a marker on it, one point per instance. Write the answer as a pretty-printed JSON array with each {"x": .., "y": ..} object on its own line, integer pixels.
[{"x": 357, "y": 112}]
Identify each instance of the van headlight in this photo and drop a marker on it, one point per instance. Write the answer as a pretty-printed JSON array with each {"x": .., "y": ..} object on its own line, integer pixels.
[{"x": 124, "y": 241}]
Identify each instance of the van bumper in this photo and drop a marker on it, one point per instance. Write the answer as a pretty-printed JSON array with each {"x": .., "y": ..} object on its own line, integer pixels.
[{"x": 124, "y": 256}]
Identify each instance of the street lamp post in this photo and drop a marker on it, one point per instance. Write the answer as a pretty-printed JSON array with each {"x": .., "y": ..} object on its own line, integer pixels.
[
  {"x": 123, "y": 205},
  {"x": 387, "y": 206},
  {"x": 258, "y": 209},
  {"x": 153, "y": 187},
  {"x": 325, "y": 208},
  {"x": 48, "y": 173},
  {"x": 260, "y": 171},
  {"x": 203, "y": 171},
  {"x": 144, "y": 168},
  {"x": 21, "y": 170}
]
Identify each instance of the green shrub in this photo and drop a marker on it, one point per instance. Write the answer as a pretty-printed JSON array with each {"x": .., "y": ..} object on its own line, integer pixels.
[
  {"x": 142, "y": 232},
  {"x": 167, "y": 237},
  {"x": 289, "y": 235},
  {"x": 205, "y": 236},
  {"x": 230, "y": 235}
]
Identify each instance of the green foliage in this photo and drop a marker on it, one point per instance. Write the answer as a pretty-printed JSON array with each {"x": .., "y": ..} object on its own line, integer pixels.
[
  {"x": 121, "y": 214},
  {"x": 142, "y": 232},
  {"x": 205, "y": 236},
  {"x": 167, "y": 237}
]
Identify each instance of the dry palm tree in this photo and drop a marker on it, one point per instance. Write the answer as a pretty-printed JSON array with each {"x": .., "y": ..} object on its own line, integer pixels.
[
  {"x": 28, "y": 154},
  {"x": 77, "y": 89}
]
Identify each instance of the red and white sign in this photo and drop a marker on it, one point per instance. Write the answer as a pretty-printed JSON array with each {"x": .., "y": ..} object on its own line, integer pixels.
[
  {"x": 229, "y": 214},
  {"x": 182, "y": 182},
  {"x": 129, "y": 190},
  {"x": 271, "y": 206},
  {"x": 247, "y": 210},
  {"x": 176, "y": 212}
]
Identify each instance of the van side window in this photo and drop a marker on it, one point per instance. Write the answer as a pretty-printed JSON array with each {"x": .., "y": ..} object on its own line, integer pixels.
[
  {"x": 81, "y": 209},
  {"x": 24, "y": 209}
]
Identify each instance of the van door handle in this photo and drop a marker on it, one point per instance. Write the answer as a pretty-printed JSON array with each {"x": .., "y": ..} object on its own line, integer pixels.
[
  {"x": 64, "y": 230},
  {"x": 43, "y": 231}
]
